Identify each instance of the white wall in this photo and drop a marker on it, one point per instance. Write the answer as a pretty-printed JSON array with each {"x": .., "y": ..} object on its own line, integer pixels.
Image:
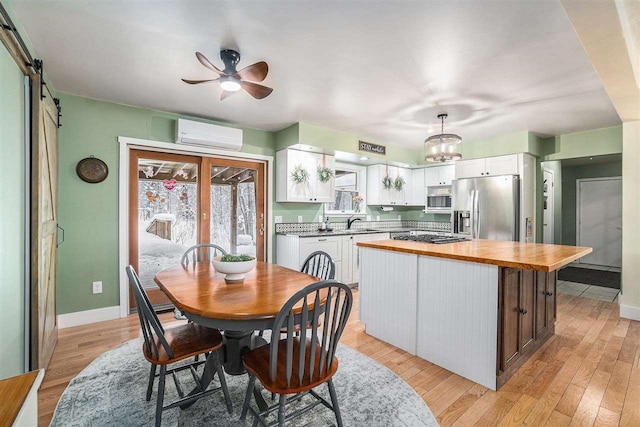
[
  {"x": 12, "y": 217},
  {"x": 630, "y": 299}
]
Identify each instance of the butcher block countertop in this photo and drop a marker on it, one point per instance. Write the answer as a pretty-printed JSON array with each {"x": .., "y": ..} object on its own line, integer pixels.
[{"x": 528, "y": 256}]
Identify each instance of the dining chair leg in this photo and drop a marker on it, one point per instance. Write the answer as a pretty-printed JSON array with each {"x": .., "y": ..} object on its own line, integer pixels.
[
  {"x": 163, "y": 371},
  {"x": 247, "y": 397},
  {"x": 152, "y": 377},
  {"x": 334, "y": 402},
  {"x": 223, "y": 381},
  {"x": 281, "y": 410}
]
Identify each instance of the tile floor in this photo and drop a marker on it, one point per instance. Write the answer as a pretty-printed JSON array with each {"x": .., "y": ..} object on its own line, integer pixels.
[{"x": 589, "y": 291}]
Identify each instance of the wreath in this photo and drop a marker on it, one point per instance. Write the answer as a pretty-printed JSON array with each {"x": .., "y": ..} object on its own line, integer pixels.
[
  {"x": 399, "y": 183},
  {"x": 325, "y": 174},
  {"x": 299, "y": 175},
  {"x": 387, "y": 182}
]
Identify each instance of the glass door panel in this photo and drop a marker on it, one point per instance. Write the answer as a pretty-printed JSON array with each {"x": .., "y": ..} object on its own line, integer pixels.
[
  {"x": 236, "y": 203},
  {"x": 166, "y": 215}
]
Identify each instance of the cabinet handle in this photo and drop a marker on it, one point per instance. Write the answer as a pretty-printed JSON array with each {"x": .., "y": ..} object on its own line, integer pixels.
[
  {"x": 523, "y": 311},
  {"x": 322, "y": 240},
  {"x": 487, "y": 173},
  {"x": 549, "y": 294},
  {"x": 481, "y": 173}
]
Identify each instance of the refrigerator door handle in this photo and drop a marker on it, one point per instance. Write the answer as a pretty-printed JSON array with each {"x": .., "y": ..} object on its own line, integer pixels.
[{"x": 476, "y": 214}]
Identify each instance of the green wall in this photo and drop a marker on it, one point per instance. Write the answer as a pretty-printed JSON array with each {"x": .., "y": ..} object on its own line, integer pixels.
[
  {"x": 569, "y": 176},
  {"x": 584, "y": 144},
  {"x": 89, "y": 212},
  {"x": 502, "y": 145},
  {"x": 12, "y": 213}
]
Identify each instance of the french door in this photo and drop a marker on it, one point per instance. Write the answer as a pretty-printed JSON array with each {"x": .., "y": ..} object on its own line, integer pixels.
[{"x": 176, "y": 201}]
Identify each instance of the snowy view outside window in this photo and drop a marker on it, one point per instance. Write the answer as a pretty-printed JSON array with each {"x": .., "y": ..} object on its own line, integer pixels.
[
  {"x": 172, "y": 214},
  {"x": 167, "y": 220},
  {"x": 244, "y": 242}
]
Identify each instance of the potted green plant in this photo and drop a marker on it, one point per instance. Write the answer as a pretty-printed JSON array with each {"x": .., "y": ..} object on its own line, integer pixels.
[{"x": 234, "y": 267}]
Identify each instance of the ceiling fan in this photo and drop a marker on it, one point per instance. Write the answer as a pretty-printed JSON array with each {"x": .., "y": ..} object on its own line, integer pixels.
[{"x": 232, "y": 80}]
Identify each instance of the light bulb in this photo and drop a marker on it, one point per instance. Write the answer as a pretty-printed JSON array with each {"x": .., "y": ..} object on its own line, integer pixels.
[{"x": 230, "y": 83}]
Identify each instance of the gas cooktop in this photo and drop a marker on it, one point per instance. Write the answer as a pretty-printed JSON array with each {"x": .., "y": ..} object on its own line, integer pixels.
[{"x": 430, "y": 238}]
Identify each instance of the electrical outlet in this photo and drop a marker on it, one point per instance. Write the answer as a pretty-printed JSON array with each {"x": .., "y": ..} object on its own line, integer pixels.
[
  {"x": 368, "y": 218},
  {"x": 377, "y": 217},
  {"x": 278, "y": 219},
  {"x": 299, "y": 218},
  {"x": 97, "y": 287},
  {"x": 399, "y": 217}
]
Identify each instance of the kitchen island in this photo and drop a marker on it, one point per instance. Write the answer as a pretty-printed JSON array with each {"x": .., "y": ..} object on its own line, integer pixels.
[{"x": 479, "y": 308}]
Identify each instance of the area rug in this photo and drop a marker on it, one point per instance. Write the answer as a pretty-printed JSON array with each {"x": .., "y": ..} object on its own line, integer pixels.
[
  {"x": 111, "y": 392},
  {"x": 608, "y": 279}
]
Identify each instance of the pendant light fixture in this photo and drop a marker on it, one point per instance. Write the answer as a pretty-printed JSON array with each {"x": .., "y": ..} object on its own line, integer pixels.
[{"x": 442, "y": 147}]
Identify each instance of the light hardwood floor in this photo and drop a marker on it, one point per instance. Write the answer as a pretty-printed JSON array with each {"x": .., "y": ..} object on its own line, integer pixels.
[{"x": 587, "y": 374}]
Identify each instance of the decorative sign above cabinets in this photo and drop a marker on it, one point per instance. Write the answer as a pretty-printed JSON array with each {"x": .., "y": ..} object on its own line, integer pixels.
[{"x": 372, "y": 148}]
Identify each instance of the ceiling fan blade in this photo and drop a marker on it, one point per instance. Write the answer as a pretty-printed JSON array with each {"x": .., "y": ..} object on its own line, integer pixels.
[
  {"x": 256, "y": 90},
  {"x": 226, "y": 94},
  {"x": 255, "y": 73},
  {"x": 204, "y": 61},
  {"x": 195, "y": 82}
]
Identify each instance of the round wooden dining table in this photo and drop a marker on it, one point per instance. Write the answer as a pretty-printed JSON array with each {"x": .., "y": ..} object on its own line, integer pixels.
[{"x": 237, "y": 308}]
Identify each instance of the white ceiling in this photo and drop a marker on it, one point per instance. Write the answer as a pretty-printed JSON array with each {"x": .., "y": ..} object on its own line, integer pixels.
[{"x": 381, "y": 70}]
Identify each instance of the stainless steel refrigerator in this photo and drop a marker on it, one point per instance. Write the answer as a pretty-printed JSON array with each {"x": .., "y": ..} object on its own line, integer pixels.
[{"x": 486, "y": 208}]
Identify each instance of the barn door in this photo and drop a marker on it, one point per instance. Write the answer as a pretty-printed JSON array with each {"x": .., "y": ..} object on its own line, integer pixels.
[{"x": 44, "y": 190}]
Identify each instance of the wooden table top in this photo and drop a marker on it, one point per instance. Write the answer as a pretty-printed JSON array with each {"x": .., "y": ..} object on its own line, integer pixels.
[
  {"x": 528, "y": 256},
  {"x": 199, "y": 289}
]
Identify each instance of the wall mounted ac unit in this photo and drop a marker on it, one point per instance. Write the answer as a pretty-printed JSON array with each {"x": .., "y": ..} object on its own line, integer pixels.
[{"x": 207, "y": 135}]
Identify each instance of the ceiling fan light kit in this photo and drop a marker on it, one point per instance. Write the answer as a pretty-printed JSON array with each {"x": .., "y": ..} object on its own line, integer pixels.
[
  {"x": 442, "y": 147},
  {"x": 231, "y": 80},
  {"x": 230, "y": 83}
]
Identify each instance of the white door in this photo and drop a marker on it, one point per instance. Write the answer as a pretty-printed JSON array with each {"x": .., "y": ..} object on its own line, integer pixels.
[
  {"x": 599, "y": 220},
  {"x": 548, "y": 192}
]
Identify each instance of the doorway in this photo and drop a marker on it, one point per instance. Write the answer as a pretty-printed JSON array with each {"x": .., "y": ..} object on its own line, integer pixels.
[
  {"x": 548, "y": 212},
  {"x": 599, "y": 220},
  {"x": 177, "y": 201}
]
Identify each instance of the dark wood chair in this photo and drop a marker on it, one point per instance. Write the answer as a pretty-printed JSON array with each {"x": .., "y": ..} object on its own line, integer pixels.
[
  {"x": 320, "y": 265},
  {"x": 296, "y": 365},
  {"x": 164, "y": 347},
  {"x": 203, "y": 252}
]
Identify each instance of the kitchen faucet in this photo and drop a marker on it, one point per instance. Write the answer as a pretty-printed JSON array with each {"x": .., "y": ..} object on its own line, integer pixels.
[{"x": 351, "y": 220}]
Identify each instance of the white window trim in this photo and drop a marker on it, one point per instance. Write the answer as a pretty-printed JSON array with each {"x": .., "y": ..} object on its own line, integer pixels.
[
  {"x": 127, "y": 143},
  {"x": 362, "y": 190}
]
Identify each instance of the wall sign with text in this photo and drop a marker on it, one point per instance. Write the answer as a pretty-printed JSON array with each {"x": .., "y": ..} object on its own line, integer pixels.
[{"x": 372, "y": 148}]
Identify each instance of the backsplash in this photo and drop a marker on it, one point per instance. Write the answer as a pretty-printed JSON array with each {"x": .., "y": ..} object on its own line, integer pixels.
[{"x": 290, "y": 227}]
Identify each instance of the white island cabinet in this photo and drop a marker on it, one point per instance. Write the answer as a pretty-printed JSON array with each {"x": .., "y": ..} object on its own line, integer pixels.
[
  {"x": 478, "y": 308},
  {"x": 311, "y": 190}
]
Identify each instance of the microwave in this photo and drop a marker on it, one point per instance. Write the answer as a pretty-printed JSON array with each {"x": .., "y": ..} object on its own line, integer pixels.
[{"x": 438, "y": 199}]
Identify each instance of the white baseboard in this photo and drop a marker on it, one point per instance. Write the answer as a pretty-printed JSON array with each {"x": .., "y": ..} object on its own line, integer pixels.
[
  {"x": 88, "y": 316},
  {"x": 629, "y": 312}
]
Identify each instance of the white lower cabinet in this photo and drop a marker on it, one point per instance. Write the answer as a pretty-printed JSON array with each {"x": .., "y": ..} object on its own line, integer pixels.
[{"x": 291, "y": 252}]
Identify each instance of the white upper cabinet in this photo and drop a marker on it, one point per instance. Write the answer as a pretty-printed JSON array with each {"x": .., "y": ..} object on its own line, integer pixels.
[
  {"x": 490, "y": 166},
  {"x": 377, "y": 194},
  {"x": 311, "y": 190},
  {"x": 439, "y": 175},
  {"x": 418, "y": 189}
]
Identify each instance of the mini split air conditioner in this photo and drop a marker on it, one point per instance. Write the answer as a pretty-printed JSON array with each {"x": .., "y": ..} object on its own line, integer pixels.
[{"x": 206, "y": 135}]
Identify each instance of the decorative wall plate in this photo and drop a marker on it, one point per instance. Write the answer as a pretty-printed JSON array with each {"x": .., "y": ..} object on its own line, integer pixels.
[{"x": 92, "y": 170}]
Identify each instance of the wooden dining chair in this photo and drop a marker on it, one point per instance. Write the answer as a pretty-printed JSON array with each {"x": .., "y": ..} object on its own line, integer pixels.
[
  {"x": 320, "y": 265},
  {"x": 296, "y": 365},
  {"x": 164, "y": 347},
  {"x": 203, "y": 252}
]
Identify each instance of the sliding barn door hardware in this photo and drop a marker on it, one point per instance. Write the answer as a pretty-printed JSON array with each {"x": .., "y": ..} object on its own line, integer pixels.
[{"x": 59, "y": 108}]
